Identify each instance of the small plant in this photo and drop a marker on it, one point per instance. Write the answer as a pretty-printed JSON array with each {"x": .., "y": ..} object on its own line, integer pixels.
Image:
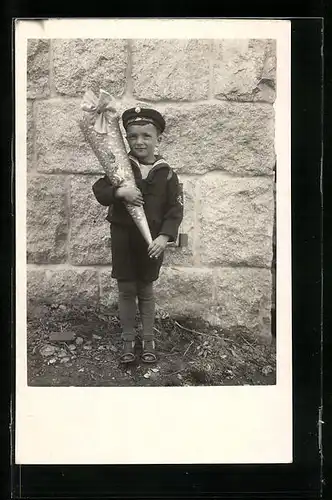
[
  {"x": 205, "y": 349},
  {"x": 161, "y": 314}
]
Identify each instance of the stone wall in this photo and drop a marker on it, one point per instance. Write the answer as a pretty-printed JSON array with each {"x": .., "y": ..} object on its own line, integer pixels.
[{"x": 217, "y": 98}]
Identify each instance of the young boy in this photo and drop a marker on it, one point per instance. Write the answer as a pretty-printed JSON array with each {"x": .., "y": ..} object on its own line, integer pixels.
[{"x": 135, "y": 265}]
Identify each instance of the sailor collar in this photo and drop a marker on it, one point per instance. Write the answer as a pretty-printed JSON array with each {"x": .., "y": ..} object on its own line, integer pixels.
[{"x": 159, "y": 163}]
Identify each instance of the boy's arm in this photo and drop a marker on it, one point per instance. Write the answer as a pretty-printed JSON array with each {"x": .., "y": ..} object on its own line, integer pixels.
[
  {"x": 104, "y": 191},
  {"x": 174, "y": 211},
  {"x": 107, "y": 194}
]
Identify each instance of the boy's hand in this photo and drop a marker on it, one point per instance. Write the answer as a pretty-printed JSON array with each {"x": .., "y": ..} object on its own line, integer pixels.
[
  {"x": 130, "y": 195},
  {"x": 158, "y": 245}
]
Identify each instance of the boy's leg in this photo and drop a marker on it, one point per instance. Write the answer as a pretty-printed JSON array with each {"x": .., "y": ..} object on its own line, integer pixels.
[
  {"x": 127, "y": 308},
  {"x": 146, "y": 305}
]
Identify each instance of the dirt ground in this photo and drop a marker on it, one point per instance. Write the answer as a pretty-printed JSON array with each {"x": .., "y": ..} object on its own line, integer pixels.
[{"x": 75, "y": 346}]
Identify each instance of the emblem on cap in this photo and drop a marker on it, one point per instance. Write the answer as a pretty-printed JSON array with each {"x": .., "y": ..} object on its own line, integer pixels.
[{"x": 137, "y": 109}]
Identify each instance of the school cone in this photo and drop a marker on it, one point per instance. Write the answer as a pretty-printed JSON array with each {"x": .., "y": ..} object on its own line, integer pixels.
[{"x": 100, "y": 127}]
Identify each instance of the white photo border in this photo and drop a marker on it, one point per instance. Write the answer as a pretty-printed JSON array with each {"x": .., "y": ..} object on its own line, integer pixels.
[{"x": 185, "y": 425}]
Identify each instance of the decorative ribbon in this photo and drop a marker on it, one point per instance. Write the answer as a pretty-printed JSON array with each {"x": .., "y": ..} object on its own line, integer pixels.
[{"x": 102, "y": 109}]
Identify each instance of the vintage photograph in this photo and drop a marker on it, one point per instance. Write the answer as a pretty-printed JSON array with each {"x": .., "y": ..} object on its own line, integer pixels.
[{"x": 151, "y": 212}]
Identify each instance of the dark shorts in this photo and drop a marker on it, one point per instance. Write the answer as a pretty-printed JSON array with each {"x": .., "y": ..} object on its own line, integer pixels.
[{"x": 130, "y": 260}]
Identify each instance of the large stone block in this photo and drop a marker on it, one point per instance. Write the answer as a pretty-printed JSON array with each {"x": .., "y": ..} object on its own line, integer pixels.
[
  {"x": 171, "y": 69},
  {"x": 30, "y": 135},
  {"x": 60, "y": 144},
  {"x": 240, "y": 68},
  {"x": 82, "y": 64},
  {"x": 38, "y": 68},
  {"x": 47, "y": 224},
  {"x": 234, "y": 137},
  {"x": 184, "y": 256},
  {"x": 90, "y": 241},
  {"x": 242, "y": 301},
  {"x": 184, "y": 291},
  {"x": 236, "y": 220},
  {"x": 108, "y": 289},
  {"x": 66, "y": 286}
]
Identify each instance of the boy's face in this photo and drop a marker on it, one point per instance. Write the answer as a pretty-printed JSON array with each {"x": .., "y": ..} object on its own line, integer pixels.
[{"x": 142, "y": 140}]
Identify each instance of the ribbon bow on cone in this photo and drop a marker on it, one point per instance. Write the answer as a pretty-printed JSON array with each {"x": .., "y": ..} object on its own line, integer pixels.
[{"x": 102, "y": 110}]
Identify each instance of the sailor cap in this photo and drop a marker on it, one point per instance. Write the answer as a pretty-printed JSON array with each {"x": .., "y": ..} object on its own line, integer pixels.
[{"x": 143, "y": 115}]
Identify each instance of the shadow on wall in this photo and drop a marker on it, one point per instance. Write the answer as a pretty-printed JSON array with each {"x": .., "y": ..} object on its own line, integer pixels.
[{"x": 274, "y": 260}]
